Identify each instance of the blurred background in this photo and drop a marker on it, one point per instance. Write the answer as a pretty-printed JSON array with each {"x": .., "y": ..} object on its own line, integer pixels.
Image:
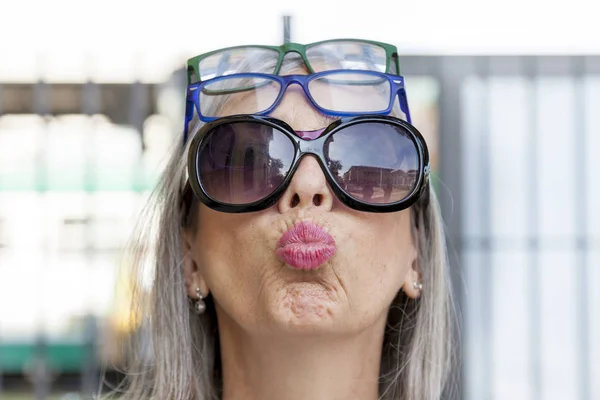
[{"x": 507, "y": 94}]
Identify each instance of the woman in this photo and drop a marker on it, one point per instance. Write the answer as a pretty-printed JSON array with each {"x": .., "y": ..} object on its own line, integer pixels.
[{"x": 305, "y": 297}]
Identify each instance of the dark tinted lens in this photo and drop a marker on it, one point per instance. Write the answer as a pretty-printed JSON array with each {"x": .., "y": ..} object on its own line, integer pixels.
[
  {"x": 241, "y": 163},
  {"x": 374, "y": 162}
]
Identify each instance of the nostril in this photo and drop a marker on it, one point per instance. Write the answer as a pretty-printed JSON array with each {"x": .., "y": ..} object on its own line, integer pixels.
[
  {"x": 295, "y": 201},
  {"x": 317, "y": 199}
]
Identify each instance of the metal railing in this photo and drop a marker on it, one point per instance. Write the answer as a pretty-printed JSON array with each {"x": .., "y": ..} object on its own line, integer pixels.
[{"x": 470, "y": 113}]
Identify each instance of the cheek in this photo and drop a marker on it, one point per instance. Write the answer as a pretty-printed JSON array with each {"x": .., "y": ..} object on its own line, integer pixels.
[
  {"x": 377, "y": 255},
  {"x": 231, "y": 256}
]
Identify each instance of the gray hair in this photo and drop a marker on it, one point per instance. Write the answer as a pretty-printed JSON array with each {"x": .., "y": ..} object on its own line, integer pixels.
[{"x": 175, "y": 355}]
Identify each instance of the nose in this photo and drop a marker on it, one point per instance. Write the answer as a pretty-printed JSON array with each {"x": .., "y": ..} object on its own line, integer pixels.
[{"x": 307, "y": 189}]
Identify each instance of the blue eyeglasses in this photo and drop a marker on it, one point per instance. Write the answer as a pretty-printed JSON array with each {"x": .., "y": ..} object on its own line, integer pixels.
[{"x": 342, "y": 93}]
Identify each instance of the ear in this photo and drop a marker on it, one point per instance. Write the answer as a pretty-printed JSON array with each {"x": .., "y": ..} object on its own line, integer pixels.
[
  {"x": 191, "y": 273},
  {"x": 412, "y": 280}
]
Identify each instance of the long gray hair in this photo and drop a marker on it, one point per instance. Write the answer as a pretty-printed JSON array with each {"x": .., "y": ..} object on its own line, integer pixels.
[{"x": 175, "y": 353}]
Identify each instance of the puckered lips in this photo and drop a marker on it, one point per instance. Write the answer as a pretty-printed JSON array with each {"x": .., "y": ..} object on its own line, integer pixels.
[{"x": 306, "y": 246}]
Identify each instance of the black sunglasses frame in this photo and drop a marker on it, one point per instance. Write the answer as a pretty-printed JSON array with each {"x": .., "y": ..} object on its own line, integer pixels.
[{"x": 302, "y": 148}]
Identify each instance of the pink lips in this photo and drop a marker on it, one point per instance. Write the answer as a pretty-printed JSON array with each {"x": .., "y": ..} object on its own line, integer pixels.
[{"x": 305, "y": 246}]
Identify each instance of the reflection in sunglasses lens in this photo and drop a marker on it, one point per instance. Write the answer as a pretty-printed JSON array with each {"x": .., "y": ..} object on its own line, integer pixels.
[
  {"x": 374, "y": 162},
  {"x": 241, "y": 163}
]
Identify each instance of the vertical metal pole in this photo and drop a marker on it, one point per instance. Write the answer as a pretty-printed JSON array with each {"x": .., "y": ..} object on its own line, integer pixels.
[
  {"x": 42, "y": 108},
  {"x": 90, "y": 99},
  {"x": 450, "y": 76},
  {"x": 138, "y": 112},
  {"x": 1, "y": 371},
  {"x": 486, "y": 272},
  {"x": 138, "y": 108},
  {"x": 90, "y": 371},
  {"x": 581, "y": 229},
  {"x": 535, "y": 338},
  {"x": 90, "y": 106},
  {"x": 287, "y": 22},
  {"x": 40, "y": 370}
]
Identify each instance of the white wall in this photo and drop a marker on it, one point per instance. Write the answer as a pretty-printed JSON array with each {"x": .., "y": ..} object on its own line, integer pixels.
[{"x": 106, "y": 38}]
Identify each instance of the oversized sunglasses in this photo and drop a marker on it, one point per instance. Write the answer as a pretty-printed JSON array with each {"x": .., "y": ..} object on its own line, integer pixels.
[
  {"x": 319, "y": 56},
  {"x": 340, "y": 93},
  {"x": 244, "y": 163}
]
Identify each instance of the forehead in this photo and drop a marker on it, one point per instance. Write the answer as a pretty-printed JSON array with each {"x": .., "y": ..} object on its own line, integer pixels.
[{"x": 299, "y": 113}]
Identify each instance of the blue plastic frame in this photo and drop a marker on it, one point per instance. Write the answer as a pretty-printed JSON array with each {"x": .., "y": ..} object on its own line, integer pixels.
[{"x": 396, "y": 84}]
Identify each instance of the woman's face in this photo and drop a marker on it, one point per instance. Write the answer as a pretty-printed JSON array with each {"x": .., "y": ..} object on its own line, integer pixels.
[{"x": 236, "y": 259}]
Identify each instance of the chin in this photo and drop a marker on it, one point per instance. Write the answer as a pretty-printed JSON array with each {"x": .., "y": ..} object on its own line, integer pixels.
[{"x": 306, "y": 307}]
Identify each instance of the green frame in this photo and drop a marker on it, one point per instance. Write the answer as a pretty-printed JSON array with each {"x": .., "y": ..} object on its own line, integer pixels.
[{"x": 391, "y": 54}]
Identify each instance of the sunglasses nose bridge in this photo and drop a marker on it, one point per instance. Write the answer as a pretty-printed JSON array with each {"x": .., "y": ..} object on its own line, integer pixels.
[{"x": 314, "y": 147}]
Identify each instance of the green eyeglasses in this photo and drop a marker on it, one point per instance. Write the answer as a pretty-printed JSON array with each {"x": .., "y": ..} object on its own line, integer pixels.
[{"x": 320, "y": 56}]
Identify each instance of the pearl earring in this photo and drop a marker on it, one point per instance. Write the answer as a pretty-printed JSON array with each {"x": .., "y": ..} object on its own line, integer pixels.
[
  {"x": 200, "y": 305},
  {"x": 418, "y": 285}
]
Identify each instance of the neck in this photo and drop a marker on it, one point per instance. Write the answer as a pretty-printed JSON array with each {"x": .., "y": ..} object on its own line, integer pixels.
[{"x": 300, "y": 367}]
